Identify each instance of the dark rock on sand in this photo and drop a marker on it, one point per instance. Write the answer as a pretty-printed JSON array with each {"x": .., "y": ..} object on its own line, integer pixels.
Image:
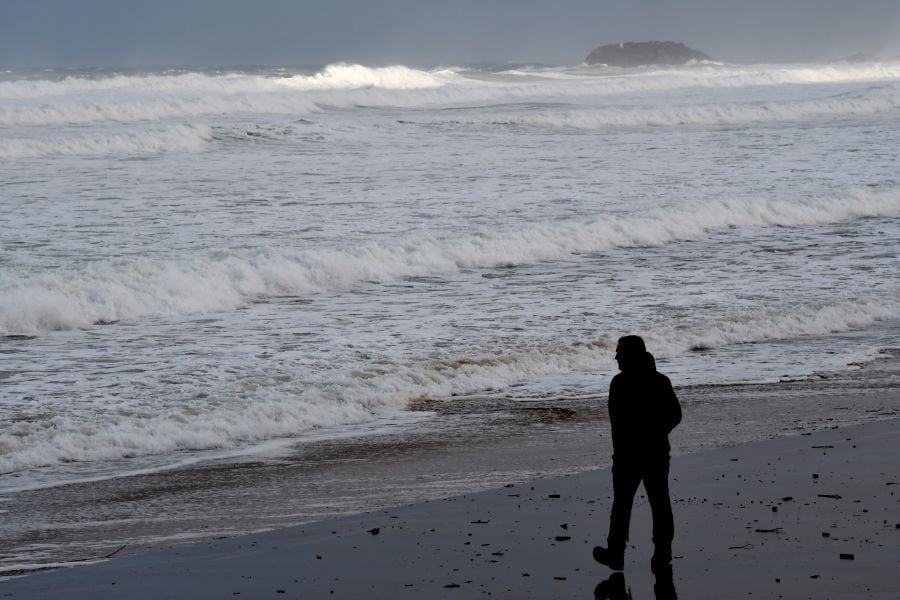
[{"x": 634, "y": 54}]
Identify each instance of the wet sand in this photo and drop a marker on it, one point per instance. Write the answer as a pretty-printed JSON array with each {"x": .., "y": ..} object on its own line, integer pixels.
[{"x": 804, "y": 516}]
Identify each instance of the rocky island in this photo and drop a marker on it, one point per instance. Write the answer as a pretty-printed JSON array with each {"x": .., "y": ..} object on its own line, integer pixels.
[{"x": 635, "y": 54}]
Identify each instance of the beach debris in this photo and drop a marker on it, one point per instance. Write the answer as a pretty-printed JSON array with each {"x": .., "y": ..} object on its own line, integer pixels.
[
  {"x": 744, "y": 547},
  {"x": 375, "y": 530},
  {"x": 775, "y": 530},
  {"x": 832, "y": 496},
  {"x": 787, "y": 498},
  {"x": 479, "y": 522},
  {"x": 553, "y": 496},
  {"x": 452, "y": 585},
  {"x": 565, "y": 525},
  {"x": 562, "y": 538},
  {"x": 825, "y": 446},
  {"x": 815, "y": 475},
  {"x": 847, "y": 556},
  {"x": 547, "y": 414}
]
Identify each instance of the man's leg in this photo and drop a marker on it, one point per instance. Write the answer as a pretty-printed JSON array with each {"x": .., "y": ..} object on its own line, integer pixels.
[
  {"x": 626, "y": 479},
  {"x": 656, "y": 482}
]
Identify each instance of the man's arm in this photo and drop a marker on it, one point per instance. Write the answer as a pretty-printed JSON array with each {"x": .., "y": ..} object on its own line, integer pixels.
[
  {"x": 672, "y": 407},
  {"x": 613, "y": 401}
]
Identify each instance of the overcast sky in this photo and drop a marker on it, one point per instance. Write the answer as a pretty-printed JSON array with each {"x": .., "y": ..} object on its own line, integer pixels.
[{"x": 37, "y": 33}]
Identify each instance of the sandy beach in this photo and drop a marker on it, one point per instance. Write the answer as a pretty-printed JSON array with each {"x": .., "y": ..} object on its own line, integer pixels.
[{"x": 804, "y": 516}]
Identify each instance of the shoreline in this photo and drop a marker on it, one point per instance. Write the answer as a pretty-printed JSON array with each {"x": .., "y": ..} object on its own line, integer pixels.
[
  {"x": 403, "y": 419},
  {"x": 480, "y": 444},
  {"x": 750, "y": 520}
]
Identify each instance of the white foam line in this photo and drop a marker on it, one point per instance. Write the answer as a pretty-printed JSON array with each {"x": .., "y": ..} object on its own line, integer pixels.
[{"x": 25, "y": 569}]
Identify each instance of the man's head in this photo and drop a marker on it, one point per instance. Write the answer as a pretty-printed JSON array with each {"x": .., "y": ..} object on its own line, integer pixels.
[{"x": 631, "y": 352}]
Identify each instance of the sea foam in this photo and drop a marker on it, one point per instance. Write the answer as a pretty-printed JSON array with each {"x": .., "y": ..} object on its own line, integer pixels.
[{"x": 286, "y": 406}]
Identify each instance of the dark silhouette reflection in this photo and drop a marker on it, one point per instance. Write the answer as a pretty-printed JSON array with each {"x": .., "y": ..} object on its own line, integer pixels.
[
  {"x": 664, "y": 588},
  {"x": 614, "y": 588}
]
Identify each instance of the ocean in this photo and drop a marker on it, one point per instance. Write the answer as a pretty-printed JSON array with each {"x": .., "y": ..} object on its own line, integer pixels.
[{"x": 203, "y": 265}]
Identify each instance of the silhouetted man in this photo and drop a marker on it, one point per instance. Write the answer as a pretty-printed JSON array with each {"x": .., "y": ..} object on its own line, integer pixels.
[{"x": 643, "y": 409}]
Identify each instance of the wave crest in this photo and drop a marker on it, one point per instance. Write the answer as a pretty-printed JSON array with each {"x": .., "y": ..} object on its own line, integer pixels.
[
  {"x": 113, "y": 290},
  {"x": 343, "y": 75}
]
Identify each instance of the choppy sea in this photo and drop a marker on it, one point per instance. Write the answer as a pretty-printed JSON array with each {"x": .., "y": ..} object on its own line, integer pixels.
[{"x": 203, "y": 263}]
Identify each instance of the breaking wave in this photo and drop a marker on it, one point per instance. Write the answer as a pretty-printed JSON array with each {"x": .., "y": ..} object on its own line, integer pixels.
[
  {"x": 72, "y": 298},
  {"x": 356, "y": 76},
  {"x": 340, "y": 75}
]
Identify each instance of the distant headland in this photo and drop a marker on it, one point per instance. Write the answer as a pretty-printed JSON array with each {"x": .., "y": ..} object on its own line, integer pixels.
[{"x": 635, "y": 54}]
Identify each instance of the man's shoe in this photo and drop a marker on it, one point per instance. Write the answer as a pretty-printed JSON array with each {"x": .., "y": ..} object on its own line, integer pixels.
[{"x": 613, "y": 560}]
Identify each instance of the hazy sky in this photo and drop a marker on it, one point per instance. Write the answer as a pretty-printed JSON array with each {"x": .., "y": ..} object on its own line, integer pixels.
[{"x": 429, "y": 32}]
